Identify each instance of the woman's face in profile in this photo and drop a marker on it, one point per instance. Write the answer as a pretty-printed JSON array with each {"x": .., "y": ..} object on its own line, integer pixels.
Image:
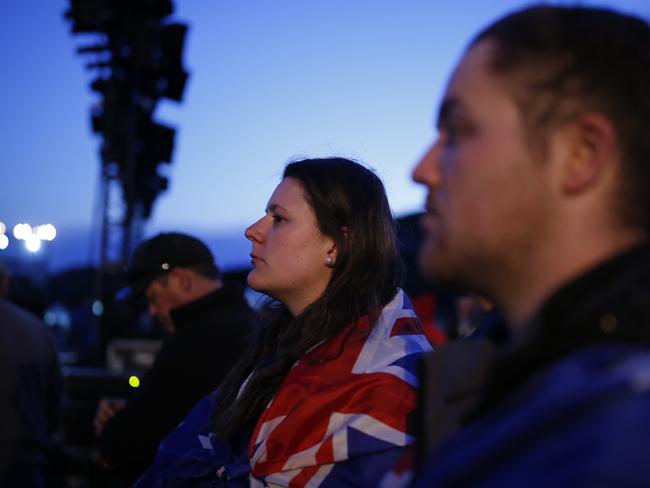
[{"x": 289, "y": 253}]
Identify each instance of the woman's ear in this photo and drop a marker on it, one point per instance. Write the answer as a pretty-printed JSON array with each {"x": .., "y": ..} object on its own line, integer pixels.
[{"x": 330, "y": 257}]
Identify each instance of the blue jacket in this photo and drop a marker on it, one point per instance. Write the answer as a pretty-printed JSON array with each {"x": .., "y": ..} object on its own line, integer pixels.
[
  {"x": 583, "y": 422},
  {"x": 565, "y": 403}
]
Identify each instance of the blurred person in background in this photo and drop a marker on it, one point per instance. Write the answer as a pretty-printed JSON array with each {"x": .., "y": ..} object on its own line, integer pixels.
[
  {"x": 30, "y": 394},
  {"x": 539, "y": 201},
  {"x": 209, "y": 325},
  {"x": 325, "y": 394}
]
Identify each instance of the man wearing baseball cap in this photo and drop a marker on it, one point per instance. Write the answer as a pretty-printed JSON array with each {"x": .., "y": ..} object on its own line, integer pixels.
[{"x": 210, "y": 325}]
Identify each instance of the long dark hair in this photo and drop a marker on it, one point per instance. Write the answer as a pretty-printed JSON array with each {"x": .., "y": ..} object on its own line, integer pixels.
[{"x": 351, "y": 207}]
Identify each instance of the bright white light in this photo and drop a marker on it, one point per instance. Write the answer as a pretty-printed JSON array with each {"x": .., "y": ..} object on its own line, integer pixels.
[
  {"x": 4, "y": 242},
  {"x": 3, "y": 228},
  {"x": 32, "y": 243},
  {"x": 46, "y": 232},
  {"x": 22, "y": 231}
]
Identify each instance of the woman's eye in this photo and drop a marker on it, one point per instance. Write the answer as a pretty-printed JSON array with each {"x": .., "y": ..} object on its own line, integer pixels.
[{"x": 277, "y": 218}]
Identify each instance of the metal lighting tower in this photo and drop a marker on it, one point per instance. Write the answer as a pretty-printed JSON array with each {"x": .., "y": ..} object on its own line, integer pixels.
[{"x": 138, "y": 60}]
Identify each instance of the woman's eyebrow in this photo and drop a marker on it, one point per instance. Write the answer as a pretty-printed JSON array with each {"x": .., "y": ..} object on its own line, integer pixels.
[{"x": 274, "y": 206}]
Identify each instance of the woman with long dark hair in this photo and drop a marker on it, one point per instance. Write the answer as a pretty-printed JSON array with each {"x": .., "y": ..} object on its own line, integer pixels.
[{"x": 324, "y": 395}]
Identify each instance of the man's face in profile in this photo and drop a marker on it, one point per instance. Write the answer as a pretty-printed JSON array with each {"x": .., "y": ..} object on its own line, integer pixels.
[
  {"x": 163, "y": 295},
  {"x": 485, "y": 191}
]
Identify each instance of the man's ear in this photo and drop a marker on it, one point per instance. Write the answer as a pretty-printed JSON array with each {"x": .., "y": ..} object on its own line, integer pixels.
[
  {"x": 591, "y": 142},
  {"x": 183, "y": 277}
]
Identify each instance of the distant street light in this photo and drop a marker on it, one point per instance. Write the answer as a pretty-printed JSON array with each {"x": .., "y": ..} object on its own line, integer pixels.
[
  {"x": 32, "y": 243},
  {"x": 22, "y": 231},
  {"x": 31, "y": 235},
  {"x": 46, "y": 232}
]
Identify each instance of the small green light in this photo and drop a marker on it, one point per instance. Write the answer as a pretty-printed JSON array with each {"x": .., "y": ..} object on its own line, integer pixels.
[{"x": 134, "y": 381}]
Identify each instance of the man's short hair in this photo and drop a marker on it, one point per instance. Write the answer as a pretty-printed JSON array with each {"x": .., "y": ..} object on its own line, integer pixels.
[
  {"x": 156, "y": 257},
  {"x": 561, "y": 61}
]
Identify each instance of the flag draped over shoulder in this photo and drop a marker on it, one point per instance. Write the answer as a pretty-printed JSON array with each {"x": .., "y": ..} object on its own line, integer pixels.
[{"x": 341, "y": 413}]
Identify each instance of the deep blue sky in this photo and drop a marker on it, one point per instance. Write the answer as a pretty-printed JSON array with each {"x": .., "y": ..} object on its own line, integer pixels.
[{"x": 268, "y": 81}]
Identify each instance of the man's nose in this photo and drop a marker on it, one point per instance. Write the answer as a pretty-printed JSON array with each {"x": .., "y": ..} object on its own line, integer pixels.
[{"x": 427, "y": 171}]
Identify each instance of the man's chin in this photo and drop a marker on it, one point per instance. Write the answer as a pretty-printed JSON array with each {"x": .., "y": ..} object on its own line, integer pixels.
[
  {"x": 434, "y": 263},
  {"x": 429, "y": 248},
  {"x": 440, "y": 268}
]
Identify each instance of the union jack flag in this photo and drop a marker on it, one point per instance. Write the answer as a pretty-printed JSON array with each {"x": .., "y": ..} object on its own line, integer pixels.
[{"x": 343, "y": 421}]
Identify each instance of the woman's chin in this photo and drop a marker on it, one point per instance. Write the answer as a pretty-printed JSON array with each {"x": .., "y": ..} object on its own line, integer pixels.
[{"x": 253, "y": 282}]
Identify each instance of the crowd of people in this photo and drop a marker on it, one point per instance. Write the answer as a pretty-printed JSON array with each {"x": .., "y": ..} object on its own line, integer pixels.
[{"x": 537, "y": 206}]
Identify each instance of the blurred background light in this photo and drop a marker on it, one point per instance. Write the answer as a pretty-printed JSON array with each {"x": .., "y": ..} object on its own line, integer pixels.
[
  {"x": 3, "y": 228},
  {"x": 134, "y": 381},
  {"x": 46, "y": 232},
  {"x": 98, "y": 308},
  {"x": 4, "y": 242},
  {"x": 32, "y": 243},
  {"x": 57, "y": 315},
  {"x": 22, "y": 231}
]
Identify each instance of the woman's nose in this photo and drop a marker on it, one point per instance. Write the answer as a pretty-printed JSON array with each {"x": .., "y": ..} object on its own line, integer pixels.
[{"x": 254, "y": 232}]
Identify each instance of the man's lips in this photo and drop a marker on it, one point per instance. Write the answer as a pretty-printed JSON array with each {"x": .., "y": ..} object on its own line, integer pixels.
[
  {"x": 429, "y": 219},
  {"x": 430, "y": 207}
]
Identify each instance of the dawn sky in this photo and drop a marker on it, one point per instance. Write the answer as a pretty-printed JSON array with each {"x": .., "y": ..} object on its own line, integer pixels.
[{"x": 269, "y": 81}]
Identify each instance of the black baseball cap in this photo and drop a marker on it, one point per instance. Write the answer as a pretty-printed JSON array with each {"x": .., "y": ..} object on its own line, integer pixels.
[{"x": 159, "y": 255}]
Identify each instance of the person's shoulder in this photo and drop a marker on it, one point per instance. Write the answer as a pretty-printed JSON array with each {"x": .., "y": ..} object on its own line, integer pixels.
[
  {"x": 26, "y": 329},
  {"x": 589, "y": 406},
  {"x": 230, "y": 296},
  {"x": 600, "y": 366},
  {"x": 587, "y": 387},
  {"x": 224, "y": 313},
  {"x": 227, "y": 300},
  {"x": 13, "y": 315}
]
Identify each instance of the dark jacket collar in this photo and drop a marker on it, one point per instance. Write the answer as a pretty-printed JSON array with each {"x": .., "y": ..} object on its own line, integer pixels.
[
  {"x": 609, "y": 303},
  {"x": 226, "y": 296},
  {"x": 604, "y": 304}
]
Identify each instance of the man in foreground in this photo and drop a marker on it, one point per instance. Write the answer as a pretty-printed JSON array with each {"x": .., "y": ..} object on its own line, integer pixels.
[{"x": 539, "y": 201}]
